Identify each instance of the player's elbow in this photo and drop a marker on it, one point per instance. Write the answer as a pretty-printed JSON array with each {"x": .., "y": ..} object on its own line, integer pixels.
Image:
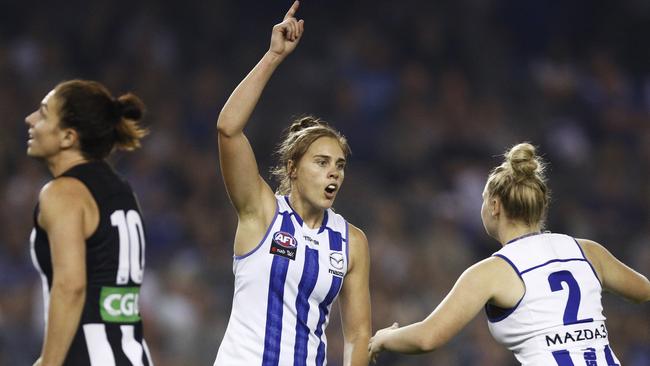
[
  {"x": 71, "y": 288},
  {"x": 224, "y": 130},
  {"x": 427, "y": 342},
  {"x": 226, "y": 126}
]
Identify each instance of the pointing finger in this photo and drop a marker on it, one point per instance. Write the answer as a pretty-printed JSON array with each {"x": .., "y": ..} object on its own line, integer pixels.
[{"x": 292, "y": 10}]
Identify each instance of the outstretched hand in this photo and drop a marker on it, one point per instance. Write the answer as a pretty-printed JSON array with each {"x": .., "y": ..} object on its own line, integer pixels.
[
  {"x": 376, "y": 343},
  {"x": 287, "y": 34}
]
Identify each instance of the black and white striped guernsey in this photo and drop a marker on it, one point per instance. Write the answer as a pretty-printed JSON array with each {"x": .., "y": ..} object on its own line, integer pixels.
[{"x": 110, "y": 329}]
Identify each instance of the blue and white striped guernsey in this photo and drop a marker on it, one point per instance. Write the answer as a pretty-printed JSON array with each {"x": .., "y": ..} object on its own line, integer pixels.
[
  {"x": 559, "y": 320},
  {"x": 284, "y": 289}
]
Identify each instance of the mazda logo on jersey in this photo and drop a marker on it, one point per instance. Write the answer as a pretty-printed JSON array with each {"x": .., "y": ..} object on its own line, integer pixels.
[
  {"x": 284, "y": 245},
  {"x": 336, "y": 260}
]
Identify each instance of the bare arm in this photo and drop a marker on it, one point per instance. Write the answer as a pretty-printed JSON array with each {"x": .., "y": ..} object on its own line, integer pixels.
[
  {"x": 355, "y": 302},
  {"x": 615, "y": 275},
  {"x": 62, "y": 215},
  {"x": 490, "y": 279},
  {"x": 244, "y": 185}
]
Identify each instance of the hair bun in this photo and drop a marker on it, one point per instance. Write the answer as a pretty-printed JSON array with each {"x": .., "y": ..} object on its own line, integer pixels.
[
  {"x": 305, "y": 122},
  {"x": 523, "y": 160},
  {"x": 130, "y": 107}
]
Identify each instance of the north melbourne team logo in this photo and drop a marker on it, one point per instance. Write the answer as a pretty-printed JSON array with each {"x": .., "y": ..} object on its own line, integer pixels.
[
  {"x": 336, "y": 262},
  {"x": 284, "y": 245}
]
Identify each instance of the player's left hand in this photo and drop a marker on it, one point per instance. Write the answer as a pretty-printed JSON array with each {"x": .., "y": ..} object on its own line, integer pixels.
[{"x": 376, "y": 343}]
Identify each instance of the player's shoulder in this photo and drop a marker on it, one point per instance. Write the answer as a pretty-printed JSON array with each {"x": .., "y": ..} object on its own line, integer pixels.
[
  {"x": 65, "y": 189},
  {"x": 594, "y": 251},
  {"x": 357, "y": 236},
  {"x": 494, "y": 266}
]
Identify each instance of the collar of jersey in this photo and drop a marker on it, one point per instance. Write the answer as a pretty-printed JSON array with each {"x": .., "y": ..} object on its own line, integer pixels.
[
  {"x": 523, "y": 236},
  {"x": 323, "y": 224}
]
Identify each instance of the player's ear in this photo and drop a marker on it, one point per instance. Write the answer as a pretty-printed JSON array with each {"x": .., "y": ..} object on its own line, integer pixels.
[
  {"x": 291, "y": 169},
  {"x": 495, "y": 206},
  {"x": 69, "y": 137}
]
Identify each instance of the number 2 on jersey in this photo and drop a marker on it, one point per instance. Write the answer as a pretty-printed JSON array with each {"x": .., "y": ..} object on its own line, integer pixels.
[
  {"x": 556, "y": 279},
  {"x": 131, "y": 255}
]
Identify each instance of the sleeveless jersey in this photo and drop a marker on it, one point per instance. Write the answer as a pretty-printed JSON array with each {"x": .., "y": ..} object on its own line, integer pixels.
[
  {"x": 284, "y": 289},
  {"x": 559, "y": 320},
  {"x": 110, "y": 328}
]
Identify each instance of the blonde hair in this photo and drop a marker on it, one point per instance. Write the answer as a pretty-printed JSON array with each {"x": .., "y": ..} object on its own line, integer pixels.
[
  {"x": 519, "y": 182},
  {"x": 297, "y": 139}
]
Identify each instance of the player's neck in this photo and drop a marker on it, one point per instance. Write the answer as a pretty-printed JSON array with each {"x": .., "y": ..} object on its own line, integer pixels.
[
  {"x": 63, "y": 161},
  {"x": 311, "y": 215},
  {"x": 513, "y": 230}
]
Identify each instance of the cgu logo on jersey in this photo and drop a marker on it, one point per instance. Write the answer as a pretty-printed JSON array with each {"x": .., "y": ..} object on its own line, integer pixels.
[
  {"x": 119, "y": 304},
  {"x": 284, "y": 245}
]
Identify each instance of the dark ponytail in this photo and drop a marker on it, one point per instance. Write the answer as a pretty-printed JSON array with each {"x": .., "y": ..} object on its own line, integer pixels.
[
  {"x": 127, "y": 131},
  {"x": 101, "y": 121}
]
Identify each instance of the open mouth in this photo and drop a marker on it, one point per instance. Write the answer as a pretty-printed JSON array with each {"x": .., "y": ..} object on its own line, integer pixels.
[{"x": 330, "y": 189}]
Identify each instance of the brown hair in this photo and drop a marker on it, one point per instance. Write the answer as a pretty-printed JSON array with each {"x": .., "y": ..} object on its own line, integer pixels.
[
  {"x": 102, "y": 122},
  {"x": 520, "y": 184},
  {"x": 297, "y": 139}
]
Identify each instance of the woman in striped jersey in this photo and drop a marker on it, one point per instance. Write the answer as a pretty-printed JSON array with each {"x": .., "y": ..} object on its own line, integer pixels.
[
  {"x": 293, "y": 254},
  {"x": 88, "y": 238},
  {"x": 541, "y": 291}
]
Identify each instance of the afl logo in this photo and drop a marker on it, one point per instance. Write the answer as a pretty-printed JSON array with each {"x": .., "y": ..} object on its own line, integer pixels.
[{"x": 284, "y": 239}]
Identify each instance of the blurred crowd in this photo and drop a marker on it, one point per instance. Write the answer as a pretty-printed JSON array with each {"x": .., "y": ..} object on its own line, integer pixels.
[{"x": 429, "y": 94}]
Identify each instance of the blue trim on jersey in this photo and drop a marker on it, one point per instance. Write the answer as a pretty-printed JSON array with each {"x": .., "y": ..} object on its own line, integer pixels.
[
  {"x": 347, "y": 246},
  {"x": 323, "y": 225},
  {"x": 293, "y": 212},
  {"x": 323, "y": 308},
  {"x": 299, "y": 219},
  {"x": 553, "y": 261},
  {"x": 609, "y": 357},
  {"x": 522, "y": 237},
  {"x": 563, "y": 358},
  {"x": 268, "y": 230},
  {"x": 585, "y": 257},
  {"x": 495, "y": 313},
  {"x": 275, "y": 301},
  {"x": 510, "y": 263},
  {"x": 305, "y": 288}
]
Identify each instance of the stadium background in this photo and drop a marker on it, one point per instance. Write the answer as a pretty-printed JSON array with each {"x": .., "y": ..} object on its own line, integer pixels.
[{"x": 429, "y": 95}]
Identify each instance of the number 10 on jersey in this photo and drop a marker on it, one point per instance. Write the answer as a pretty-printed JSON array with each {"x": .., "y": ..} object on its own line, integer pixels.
[{"x": 131, "y": 255}]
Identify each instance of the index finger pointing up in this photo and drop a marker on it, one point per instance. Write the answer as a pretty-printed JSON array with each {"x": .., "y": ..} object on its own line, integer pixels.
[{"x": 292, "y": 10}]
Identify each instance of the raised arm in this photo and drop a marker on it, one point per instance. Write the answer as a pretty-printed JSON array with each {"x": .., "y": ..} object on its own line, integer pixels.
[
  {"x": 615, "y": 275},
  {"x": 354, "y": 302},
  {"x": 489, "y": 280},
  {"x": 64, "y": 215},
  {"x": 249, "y": 193}
]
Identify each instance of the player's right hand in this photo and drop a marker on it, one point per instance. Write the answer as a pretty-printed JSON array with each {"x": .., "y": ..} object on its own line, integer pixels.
[{"x": 287, "y": 34}]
